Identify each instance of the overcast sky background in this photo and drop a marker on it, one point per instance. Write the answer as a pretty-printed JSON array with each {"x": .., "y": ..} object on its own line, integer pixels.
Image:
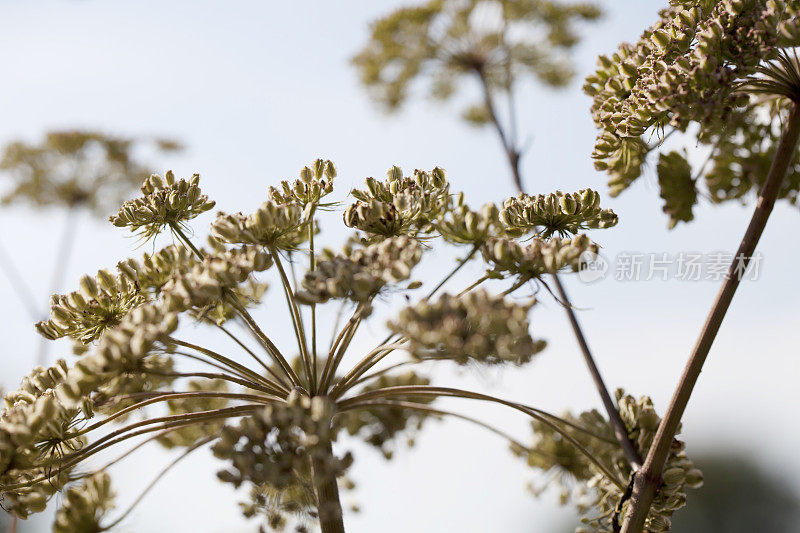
[{"x": 256, "y": 90}]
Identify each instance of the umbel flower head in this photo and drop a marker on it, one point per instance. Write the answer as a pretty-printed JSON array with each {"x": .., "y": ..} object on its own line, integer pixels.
[
  {"x": 35, "y": 428},
  {"x": 274, "y": 420},
  {"x": 271, "y": 445},
  {"x": 363, "y": 273},
  {"x": 446, "y": 39},
  {"x": 99, "y": 305},
  {"x": 166, "y": 202},
  {"x": 381, "y": 425},
  {"x": 400, "y": 205},
  {"x": 555, "y": 213},
  {"x": 688, "y": 69},
  {"x": 276, "y": 224},
  {"x": 538, "y": 257},
  {"x": 461, "y": 225},
  {"x": 477, "y": 327},
  {"x": 78, "y": 168},
  {"x": 315, "y": 183}
]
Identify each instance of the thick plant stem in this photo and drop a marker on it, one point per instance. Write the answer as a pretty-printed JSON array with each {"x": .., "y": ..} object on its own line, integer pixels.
[
  {"x": 513, "y": 155},
  {"x": 648, "y": 478},
  {"x": 327, "y": 489}
]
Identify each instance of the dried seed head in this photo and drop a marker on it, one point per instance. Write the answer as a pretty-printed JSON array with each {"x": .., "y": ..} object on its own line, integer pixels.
[
  {"x": 315, "y": 182},
  {"x": 538, "y": 257},
  {"x": 166, "y": 202},
  {"x": 282, "y": 225},
  {"x": 399, "y": 205},
  {"x": 477, "y": 327},
  {"x": 100, "y": 304},
  {"x": 555, "y": 213},
  {"x": 363, "y": 273}
]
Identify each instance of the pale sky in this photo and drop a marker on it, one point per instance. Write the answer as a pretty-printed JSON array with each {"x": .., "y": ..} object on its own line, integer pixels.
[{"x": 256, "y": 90}]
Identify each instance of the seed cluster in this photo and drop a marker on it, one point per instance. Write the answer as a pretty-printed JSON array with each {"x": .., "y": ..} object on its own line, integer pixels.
[
  {"x": 315, "y": 183},
  {"x": 363, "y": 273},
  {"x": 85, "y": 314},
  {"x": 166, "y": 202},
  {"x": 556, "y": 213},
  {"x": 380, "y": 426},
  {"x": 461, "y": 225},
  {"x": 33, "y": 429},
  {"x": 280, "y": 225},
  {"x": 688, "y": 69},
  {"x": 270, "y": 446},
  {"x": 189, "y": 435},
  {"x": 538, "y": 257},
  {"x": 399, "y": 205},
  {"x": 206, "y": 283},
  {"x": 445, "y": 40},
  {"x": 477, "y": 327}
]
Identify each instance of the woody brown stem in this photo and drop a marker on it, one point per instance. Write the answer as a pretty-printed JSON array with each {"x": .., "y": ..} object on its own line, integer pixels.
[{"x": 648, "y": 478}]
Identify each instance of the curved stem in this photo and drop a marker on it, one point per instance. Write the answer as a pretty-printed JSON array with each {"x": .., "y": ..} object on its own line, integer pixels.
[
  {"x": 211, "y": 363},
  {"x": 233, "y": 365},
  {"x": 164, "y": 398},
  {"x": 312, "y": 266},
  {"x": 648, "y": 479},
  {"x": 121, "y": 435},
  {"x": 541, "y": 416},
  {"x": 214, "y": 375},
  {"x": 253, "y": 355},
  {"x": 428, "y": 409},
  {"x": 294, "y": 311}
]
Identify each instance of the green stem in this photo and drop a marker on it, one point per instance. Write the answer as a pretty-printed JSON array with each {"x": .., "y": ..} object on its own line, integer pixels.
[
  {"x": 231, "y": 364},
  {"x": 312, "y": 265},
  {"x": 297, "y": 318}
]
